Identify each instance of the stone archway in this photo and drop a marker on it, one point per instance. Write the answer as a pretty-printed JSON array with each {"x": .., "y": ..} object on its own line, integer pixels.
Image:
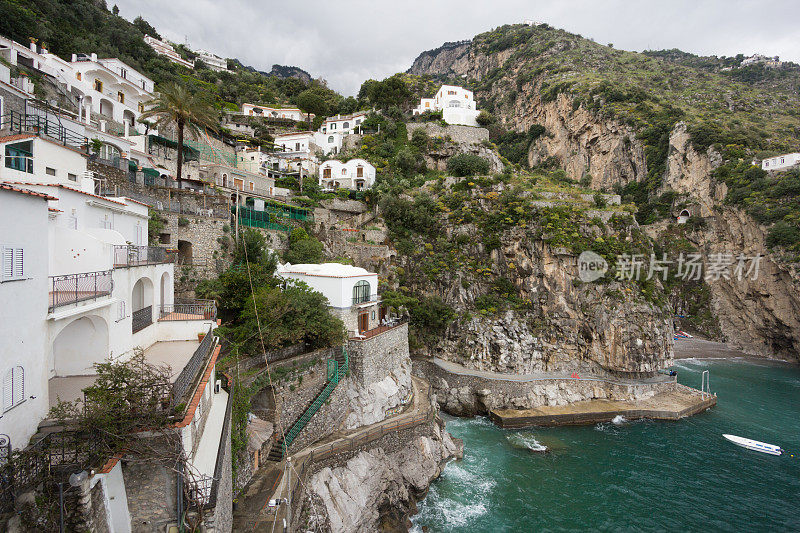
[{"x": 81, "y": 344}]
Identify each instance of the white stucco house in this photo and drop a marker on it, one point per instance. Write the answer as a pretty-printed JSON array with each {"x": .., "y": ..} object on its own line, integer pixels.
[
  {"x": 87, "y": 285},
  {"x": 457, "y": 105},
  {"x": 355, "y": 174},
  {"x": 293, "y": 113},
  {"x": 352, "y": 292},
  {"x": 166, "y": 49},
  {"x": 211, "y": 60},
  {"x": 781, "y": 161},
  {"x": 344, "y": 124}
]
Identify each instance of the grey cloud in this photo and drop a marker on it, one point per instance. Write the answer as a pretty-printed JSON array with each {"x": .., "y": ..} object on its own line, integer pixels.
[{"x": 349, "y": 41}]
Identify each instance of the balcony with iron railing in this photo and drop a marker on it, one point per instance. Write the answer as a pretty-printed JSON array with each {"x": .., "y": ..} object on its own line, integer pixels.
[
  {"x": 188, "y": 310},
  {"x": 75, "y": 288},
  {"x": 131, "y": 256},
  {"x": 365, "y": 299},
  {"x": 141, "y": 319}
]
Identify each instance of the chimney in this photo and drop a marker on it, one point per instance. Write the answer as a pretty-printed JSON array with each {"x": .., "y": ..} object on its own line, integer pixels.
[
  {"x": 94, "y": 58},
  {"x": 74, "y": 57},
  {"x": 33, "y": 44}
]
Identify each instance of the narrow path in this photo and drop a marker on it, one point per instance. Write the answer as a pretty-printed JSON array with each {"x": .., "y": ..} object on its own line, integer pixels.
[
  {"x": 455, "y": 368},
  {"x": 253, "y": 512}
]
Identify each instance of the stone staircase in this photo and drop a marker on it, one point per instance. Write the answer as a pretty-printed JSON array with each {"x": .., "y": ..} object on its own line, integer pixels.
[{"x": 337, "y": 368}]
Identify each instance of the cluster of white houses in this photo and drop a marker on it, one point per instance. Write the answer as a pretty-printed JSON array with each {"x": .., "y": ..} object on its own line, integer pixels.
[{"x": 167, "y": 49}]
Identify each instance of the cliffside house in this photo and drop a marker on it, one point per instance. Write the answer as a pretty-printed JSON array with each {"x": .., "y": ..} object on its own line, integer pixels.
[
  {"x": 355, "y": 174},
  {"x": 82, "y": 286},
  {"x": 352, "y": 292},
  {"x": 211, "y": 60},
  {"x": 781, "y": 161},
  {"x": 290, "y": 113},
  {"x": 456, "y": 104},
  {"x": 167, "y": 50}
]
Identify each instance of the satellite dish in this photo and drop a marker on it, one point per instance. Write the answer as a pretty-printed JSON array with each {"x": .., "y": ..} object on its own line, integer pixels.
[{"x": 77, "y": 479}]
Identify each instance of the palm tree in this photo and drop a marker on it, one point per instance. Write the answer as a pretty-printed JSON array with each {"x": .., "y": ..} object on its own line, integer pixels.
[{"x": 175, "y": 105}]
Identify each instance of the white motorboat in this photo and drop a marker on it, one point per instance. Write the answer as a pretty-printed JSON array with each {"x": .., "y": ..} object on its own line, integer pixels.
[{"x": 754, "y": 445}]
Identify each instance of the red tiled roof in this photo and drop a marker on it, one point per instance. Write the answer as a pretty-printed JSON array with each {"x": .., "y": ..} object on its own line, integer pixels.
[
  {"x": 137, "y": 202},
  {"x": 16, "y": 137},
  {"x": 8, "y": 187},
  {"x": 62, "y": 186}
]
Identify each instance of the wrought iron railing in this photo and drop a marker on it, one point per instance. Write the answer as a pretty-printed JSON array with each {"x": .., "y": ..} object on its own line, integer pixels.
[
  {"x": 364, "y": 298},
  {"x": 364, "y": 335},
  {"x": 142, "y": 318},
  {"x": 191, "y": 310},
  {"x": 74, "y": 288},
  {"x": 128, "y": 255},
  {"x": 44, "y": 125},
  {"x": 337, "y": 369},
  {"x": 223, "y": 445},
  {"x": 187, "y": 376}
]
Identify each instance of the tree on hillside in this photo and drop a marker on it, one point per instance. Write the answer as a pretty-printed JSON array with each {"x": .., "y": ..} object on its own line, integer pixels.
[{"x": 176, "y": 106}]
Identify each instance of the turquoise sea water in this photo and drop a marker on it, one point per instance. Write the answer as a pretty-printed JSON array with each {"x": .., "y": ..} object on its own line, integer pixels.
[{"x": 634, "y": 476}]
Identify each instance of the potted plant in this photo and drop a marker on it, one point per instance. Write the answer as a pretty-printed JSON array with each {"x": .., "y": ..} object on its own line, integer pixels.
[{"x": 201, "y": 336}]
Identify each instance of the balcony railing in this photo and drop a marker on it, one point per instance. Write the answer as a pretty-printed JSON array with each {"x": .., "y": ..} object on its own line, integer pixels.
[
  {"x": 368, "y": 334},
  {"x": 189, "y": 373},
  {"x": 365, "y": 299},
  {"x": 74, "y": 288},
  {"x": 142, "y": 318},
  {"x": 191, "y": 310},
  {"x": 128, "y": 256}
]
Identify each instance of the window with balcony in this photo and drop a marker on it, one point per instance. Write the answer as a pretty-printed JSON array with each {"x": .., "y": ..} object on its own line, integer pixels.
[
  {"x": 98, "y": 86},
  {"x": 13, "y": 387},
  {"x": 361, "y": 292}
]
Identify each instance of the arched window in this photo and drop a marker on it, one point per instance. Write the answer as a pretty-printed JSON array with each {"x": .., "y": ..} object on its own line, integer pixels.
[
  {"x": 453, "y": 103},
  {"x": 361, "y": 292},
  {"x": 344, "y": 171},
  {"x": 14, "y": 387},
  {"x": 346, "y": 125},
  {"x": 330, "y": 140}
]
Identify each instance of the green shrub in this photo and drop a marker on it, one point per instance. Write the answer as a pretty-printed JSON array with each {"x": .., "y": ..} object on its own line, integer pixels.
[
  {"x": 183, "y": 222},
  {"x": 467, "y": 165},
  {"x": 485, "y": 118},
  {"x": 783, "y": 234}
]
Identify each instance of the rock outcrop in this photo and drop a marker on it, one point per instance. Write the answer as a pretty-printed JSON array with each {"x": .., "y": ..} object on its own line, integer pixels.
[{"x": 378, "y": 488}]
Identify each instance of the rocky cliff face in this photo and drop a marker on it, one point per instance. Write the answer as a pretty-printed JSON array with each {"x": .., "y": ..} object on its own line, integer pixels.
[
  {"x": 377, "y": 489},
  {"x": 759, "y": 315}
]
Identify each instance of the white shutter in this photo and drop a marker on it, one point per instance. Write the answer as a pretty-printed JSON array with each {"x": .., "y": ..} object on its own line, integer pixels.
[
  {"x": 19, "y": 385},
  {"x": 8, "y": 383},
  {"x": 8, "y": 263},
  {"x": 19, "y": 263}
]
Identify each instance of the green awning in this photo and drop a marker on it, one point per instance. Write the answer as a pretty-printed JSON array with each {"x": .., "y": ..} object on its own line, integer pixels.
[
  {"x": 188, "y": 151},
  {"x": 151, "y": 172}
]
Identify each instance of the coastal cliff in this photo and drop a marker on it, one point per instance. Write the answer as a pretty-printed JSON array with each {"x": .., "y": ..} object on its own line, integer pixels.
[{"x": 615, "y": 120}]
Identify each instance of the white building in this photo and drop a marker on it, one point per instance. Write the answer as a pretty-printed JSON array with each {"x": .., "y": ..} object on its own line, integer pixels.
[
  {"x": 343, "y": 124},
  {"x": 103, "y": 89},
  {"x": 166, "y": 49},
  {"x": 352, "y": 292},
  {"x": 355, "y": 174},
  {"x": 781, "y": 161},
  {"x": 292, "y": 113},
  {"x": 212, "y": 61},
  {"x": 456, "y": 104},
  {"x": 758, "y": 59},
  {"x": 299, "y": 144}
]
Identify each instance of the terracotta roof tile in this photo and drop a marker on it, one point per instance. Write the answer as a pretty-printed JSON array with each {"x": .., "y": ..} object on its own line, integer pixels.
[
  {"x": 62, "y": 186},
  {"x": 16, "y": 137},
  {"x": 8, "y": 187}
]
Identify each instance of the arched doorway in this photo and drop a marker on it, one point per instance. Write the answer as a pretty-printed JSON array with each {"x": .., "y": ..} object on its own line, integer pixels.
[
  {"x": 142, "y": 304},
  {"x": 683, "y": 217},
  {"x": 127, "y": 116},
  {"x": 81, "y": 344},
  {"x": 165, "y": 291},
  {"x": 184, "y": 252},
  {"x": 106, "y": 108}
]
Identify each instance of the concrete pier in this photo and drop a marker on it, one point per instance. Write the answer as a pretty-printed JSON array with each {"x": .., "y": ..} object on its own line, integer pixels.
[{"x": 672, "y": 405}]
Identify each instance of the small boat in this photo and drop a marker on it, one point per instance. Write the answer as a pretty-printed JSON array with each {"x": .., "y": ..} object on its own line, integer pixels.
[{"x": 754, "y": 445}]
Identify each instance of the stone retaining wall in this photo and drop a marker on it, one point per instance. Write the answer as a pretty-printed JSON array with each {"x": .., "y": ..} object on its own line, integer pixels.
[
  {"x": 371, "y": 360},
  {"x": 460, "y": 134},
  {"x": 465, "y": 395}
]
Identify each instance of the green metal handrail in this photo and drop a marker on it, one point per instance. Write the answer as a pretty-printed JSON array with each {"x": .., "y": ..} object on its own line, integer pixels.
[{"x": 335, "y": 373}]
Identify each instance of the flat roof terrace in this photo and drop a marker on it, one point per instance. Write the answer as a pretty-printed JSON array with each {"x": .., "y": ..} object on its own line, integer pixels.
[{"x": 175, "y": 354}]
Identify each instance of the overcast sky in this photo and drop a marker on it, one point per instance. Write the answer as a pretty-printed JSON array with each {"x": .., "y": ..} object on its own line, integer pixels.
[{"x": 349, "y": 41}]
